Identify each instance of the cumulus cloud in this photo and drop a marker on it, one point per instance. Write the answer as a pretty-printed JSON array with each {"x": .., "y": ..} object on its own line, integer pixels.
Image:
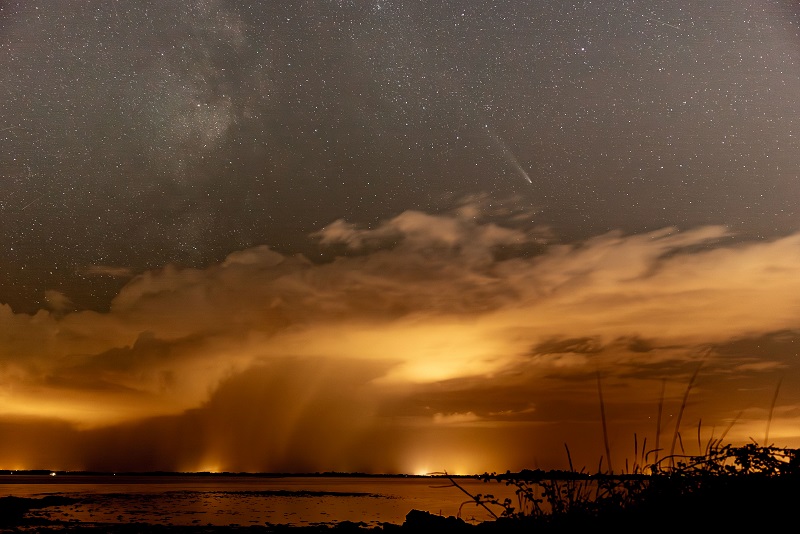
[
  {"x": 452, "y": 331},
  {"x": 418, "y": 231},
  {"x": 57, "y": 301}
]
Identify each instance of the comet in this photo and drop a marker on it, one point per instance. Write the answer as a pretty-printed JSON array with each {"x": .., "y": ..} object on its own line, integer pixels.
[{"x": 508, "y": 155}]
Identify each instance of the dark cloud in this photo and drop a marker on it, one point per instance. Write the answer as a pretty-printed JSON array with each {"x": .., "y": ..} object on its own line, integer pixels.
[{"x": 585, "y": 345}]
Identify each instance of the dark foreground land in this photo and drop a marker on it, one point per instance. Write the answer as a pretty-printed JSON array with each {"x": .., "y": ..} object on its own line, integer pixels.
[
  {"x": 713, "y": 506},
  {"x": 742, "y": 489}
]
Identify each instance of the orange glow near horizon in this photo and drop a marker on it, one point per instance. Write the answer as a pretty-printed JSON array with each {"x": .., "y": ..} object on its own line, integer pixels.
[{"x": 371, "y": 363}]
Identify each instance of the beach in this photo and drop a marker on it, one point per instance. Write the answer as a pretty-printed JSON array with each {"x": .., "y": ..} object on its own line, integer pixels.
[{"x": 214, "y": 503}]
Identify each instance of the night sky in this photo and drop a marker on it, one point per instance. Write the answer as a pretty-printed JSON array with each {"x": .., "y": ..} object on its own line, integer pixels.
[{"x": 395, "y": 236}]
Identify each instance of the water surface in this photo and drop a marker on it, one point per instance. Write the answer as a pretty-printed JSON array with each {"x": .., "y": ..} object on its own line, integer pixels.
[{"x": 237, "y": 500}]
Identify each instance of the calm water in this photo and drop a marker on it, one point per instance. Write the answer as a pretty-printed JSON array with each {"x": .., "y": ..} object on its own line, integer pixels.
[{"x": 188, "y": 500}]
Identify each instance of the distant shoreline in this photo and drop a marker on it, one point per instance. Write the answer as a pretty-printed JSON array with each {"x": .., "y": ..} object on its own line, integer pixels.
[
  {"x": 6, "y": 475},
  {"x": 48, "y": 474}
]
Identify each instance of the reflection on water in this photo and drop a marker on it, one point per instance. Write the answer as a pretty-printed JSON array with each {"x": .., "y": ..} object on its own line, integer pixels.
[{"x": 222, "y": 500}]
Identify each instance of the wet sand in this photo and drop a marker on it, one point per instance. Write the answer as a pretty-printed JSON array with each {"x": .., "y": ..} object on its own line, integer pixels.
[{"x": 46, "y": 514}]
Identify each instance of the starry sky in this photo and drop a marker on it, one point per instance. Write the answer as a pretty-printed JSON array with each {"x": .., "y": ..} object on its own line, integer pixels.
[{"x": 395, "y": 236}]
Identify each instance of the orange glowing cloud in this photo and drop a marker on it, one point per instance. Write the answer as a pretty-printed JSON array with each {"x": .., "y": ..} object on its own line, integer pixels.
[{"x": 459, "y": 324}]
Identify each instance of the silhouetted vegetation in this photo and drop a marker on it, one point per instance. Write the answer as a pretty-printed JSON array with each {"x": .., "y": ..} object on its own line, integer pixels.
[
  {"x": 722, "y": 487},
  {"x": 749, "y": 486}
]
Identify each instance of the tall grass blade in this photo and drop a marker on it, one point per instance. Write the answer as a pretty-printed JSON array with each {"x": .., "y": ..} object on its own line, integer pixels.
[
  {"x": 605, "y": 427},
  {"x": 569, "y": 459},
  {"x": 728, "y": 428},
  {"x": 644, "y": 448},
  {"x": 710, "y": 442},
  {"x": 699, "y": 445},
  {"x": 658, "y": 421},
  {"x": 683, "y": 407},
  {"x": 771, "y": 410}
]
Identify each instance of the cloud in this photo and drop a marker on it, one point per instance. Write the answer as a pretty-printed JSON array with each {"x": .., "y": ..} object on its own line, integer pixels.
[
  {"x": 462, "y": 234},
  {"x": 57, "y": 301},
  {"x": 442, "y": 323},
  {"x": 108, "y": 270},
  {"x": 455, "y": 418}
]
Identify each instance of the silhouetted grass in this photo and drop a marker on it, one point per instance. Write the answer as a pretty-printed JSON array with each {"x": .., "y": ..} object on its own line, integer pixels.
[
  {"x": 733, "y": 487},
  {"x": 737, "y": 488}
]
